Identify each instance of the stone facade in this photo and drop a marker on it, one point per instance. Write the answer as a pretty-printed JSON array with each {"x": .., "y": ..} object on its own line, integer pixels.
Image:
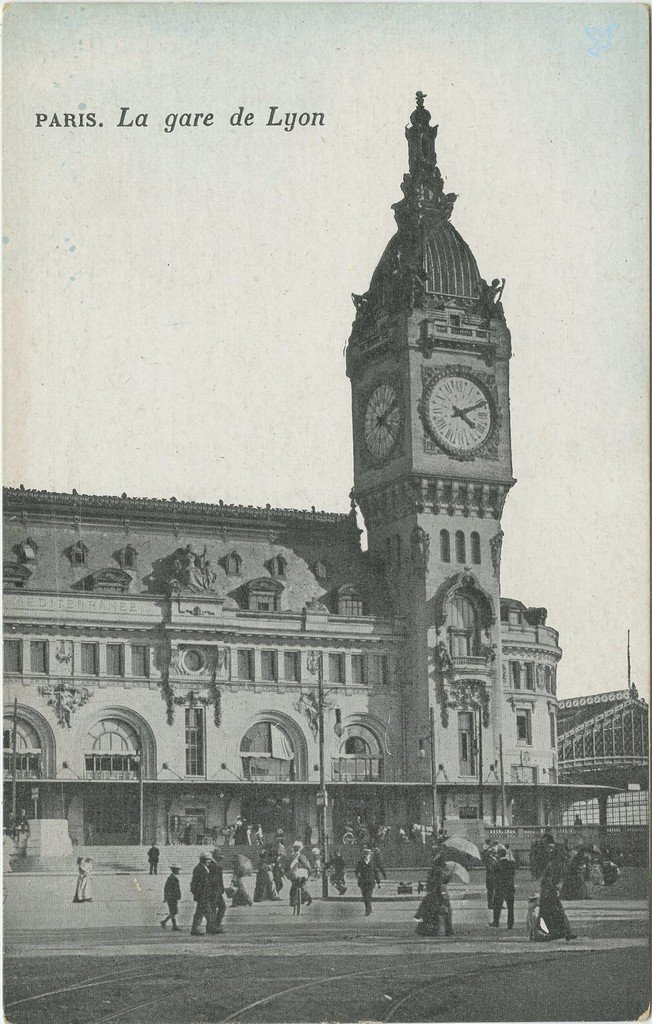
[{"x": 163, "y": 656}]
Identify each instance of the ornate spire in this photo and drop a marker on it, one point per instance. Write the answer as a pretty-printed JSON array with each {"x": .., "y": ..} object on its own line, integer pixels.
[{"x": 423, "y": 186}]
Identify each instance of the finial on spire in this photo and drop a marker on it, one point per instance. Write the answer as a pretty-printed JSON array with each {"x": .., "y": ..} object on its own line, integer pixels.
[{"x": 420, "y": 116}]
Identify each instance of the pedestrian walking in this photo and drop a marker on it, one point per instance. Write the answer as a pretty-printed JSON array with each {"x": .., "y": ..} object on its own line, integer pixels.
[
  {"x": 368, "y": 878},
  {"x": 378, "y": 862},
  {"x": 298, "y": 870},
  {"x": 240, "y": 837},
  {"x": 504, "y": 888},
  {"x": 258, "y": 835},
  {"x": 438, "y": 878},
  {"x": 337, "y": 869},
  {"x": 153, "y": 855},
  {"x": 216, "y": 900},
  {"x": 200, "y": 889},
  {"x": 265, "y": 886},
  {"x": 82, "y": 888},
  {"x": 490, "y": 861},
  {"x": 550, "y": 907},
  {"x": 172, "y": 896}
]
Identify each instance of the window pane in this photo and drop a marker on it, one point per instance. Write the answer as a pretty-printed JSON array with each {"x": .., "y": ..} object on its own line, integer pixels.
[
  {"x": 139, "y": 660},
  {"x": 245, "y": 664},
  {"x": 115, "y": 659},
  {"x": 13, "y": 651},
  {"x": 89, "y": 659},
  {"x": 38, "y": 656},
  {"x": 268, "y": 664},
  {"x": 194, "y": 741},
  {"x": 529, "y": 675},
  {"x": 335, "y": 668},
  {"x": 292, "y": 666},
  {"x": 357, "y": 669},
  {"x": 515, "y": 672}
]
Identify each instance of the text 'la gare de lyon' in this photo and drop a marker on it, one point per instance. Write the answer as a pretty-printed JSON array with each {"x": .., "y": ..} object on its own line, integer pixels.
[{"x": 287, "y": 120}]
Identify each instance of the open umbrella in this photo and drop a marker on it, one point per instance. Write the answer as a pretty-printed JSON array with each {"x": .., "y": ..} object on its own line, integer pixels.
[
  {"x": 459, "y": 874},
  {"x": 463, "y": 851}
]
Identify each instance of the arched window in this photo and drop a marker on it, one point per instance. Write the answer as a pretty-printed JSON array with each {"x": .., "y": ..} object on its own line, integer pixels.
[
  {"x": 321, "y": 569},
  {"x": 112, "y": 751},
  {"x": 463, "y": 627},
  {"x": 78, "y": 553},
  {"x": 445, "y": 545},
  {"x": 267, "y": 753},
  {"x": 360, "y": 757},
  {"x": 28, "y": 749},
  {"x": 460, "y": 546},
  {"x": 233, "y": 564},
  {"x": 279, "y": 567},
  {"x": 127, "y": 557},
  {"x": 475, "y": 548}
]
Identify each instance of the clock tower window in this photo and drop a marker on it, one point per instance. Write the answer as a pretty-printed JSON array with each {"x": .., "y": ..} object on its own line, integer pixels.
[
  {"x": 475, "y": 548},
  {"x": 464, "y": 633},
  {"x": 445, "y": 545},
  {"x": 460, "y": 546}
]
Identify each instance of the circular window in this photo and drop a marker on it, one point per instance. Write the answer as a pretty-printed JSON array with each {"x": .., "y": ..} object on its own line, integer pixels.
[{"x": 193, "y": 660}]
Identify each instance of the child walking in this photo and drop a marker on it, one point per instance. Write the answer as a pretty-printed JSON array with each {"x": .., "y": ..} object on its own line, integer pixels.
[{"x": 171, "y": 896}]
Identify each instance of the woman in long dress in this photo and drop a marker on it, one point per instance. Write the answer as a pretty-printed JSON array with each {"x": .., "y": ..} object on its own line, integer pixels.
[{"x": 550, "y": 908}]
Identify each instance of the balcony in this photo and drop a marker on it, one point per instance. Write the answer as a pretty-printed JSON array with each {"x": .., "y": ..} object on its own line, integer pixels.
[
  {"x": 356, "y": 769},
  {"x": 28, "y": 766},
  {"x": 112, "y": 767}
]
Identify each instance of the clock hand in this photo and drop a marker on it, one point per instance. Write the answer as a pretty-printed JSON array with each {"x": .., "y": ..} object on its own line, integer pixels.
[
  {"x": 381, "y": 421},
  {"x": 461, "y": 414},
  {"x": 470, "y": 408}
]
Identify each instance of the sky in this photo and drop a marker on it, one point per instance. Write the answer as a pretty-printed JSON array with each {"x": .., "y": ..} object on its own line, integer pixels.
[{"x": 176, "y": 304}]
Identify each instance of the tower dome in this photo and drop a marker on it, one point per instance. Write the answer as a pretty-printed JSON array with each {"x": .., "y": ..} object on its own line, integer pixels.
[{"x": 427, "y": 263}]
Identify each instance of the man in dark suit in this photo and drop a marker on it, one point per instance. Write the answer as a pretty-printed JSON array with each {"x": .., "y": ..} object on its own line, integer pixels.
[
  {"x": 504, "y": 888},
  {"x": 200, "y": 887},
  {"x": 217, "y": 903},
  {"x": 368, "y": 878}
]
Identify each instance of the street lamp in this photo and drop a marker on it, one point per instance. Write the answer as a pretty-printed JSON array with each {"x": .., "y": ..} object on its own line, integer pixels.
[
  {"x": 316, "y": 666},
  {"x": 430, "y": 738}
]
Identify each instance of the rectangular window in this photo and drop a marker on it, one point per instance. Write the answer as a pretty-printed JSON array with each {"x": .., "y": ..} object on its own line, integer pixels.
[
  {"x": 514, "y": 617},
  {"x": 358, "y": 669},
  {"x": 90, "y": 659},
  {"x": 529, "y": 675},
  {"x": 378, "y": 670},
  {"x": 466, "y": 734},
  {"x": 336, "y": 668},
  {"x": 38, "y": 656},
  {"x": 194, "y": 741},
  {"x": 140, "y": 660},
  {"x": 245, "y": 664},
  {"x": 468, "y": 811},
  {"x": 268, "y": 665},
  {"x": 524, "y": 727},
  {"x": 523, "y": 773},
  {"x": 13, "y": 656},
  {"x": 293, "y": 666},
  {"x": 515, "y": 674},
  {"x": 115, "y": 659}
]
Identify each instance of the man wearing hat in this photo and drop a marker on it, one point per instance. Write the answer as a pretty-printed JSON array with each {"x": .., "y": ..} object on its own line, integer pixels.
[
  {"x": 504, "y": 890},
  {"x": 298, "y": 872},
  {"x": 201, "y": 890},
  {"x": 368, "y": 878},
  {"x": 217, "y": 903},
  {"x": 171, "y": 896}
]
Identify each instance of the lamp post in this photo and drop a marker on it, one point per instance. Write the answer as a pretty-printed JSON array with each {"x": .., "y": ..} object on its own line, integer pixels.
[
  {"x": 316, "y": 665},
  {"x": 138, "y": 760},
  {"x": 14, "y": 732},
  {"x": 478, "y": 745},
  {"x": 433, "y": 772}
]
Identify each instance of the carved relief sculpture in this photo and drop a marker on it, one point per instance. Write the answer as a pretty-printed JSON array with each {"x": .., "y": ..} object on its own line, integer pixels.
[
  {"x": 65, "y": 699},
  {"x": 495, "y": 546},
  {"x": 63, "y": 651},
  {"x": 420, "y": 544},
  {"x": 190, "y": 571}
]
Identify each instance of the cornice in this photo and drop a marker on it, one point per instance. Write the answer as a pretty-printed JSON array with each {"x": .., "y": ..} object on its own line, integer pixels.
[
  {"x": 54, "y": 504},
  {"x": 438, "y": 495}
]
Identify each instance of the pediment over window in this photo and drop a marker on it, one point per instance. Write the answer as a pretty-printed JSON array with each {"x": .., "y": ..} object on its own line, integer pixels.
[
  {"x": 15, "y": 575},
  {"x": 278, "y": 566},
  {"x": 232, "y": 564},
  {"x": 27, "y": 550},
  {"x": 349, "y": 601},
  {"x": 77, "y": 553},
  {"x": 108, "y": 580},
  {"x": 127, "y": 557},
  {"x": 264, "y": 595}
]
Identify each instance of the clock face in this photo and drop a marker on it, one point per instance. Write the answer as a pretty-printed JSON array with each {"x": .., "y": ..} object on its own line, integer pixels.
[
  {"x": 382, "y": 420},
  {"x": 459, "y": 413}
]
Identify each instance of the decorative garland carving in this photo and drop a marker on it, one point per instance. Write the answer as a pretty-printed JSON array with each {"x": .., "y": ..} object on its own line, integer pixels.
[
  {"x": 462, "y": 693},
  {"x": 65, "y": 699}
]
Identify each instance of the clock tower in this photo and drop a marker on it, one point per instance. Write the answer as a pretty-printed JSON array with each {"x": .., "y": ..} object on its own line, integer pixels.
[{"x": 428, "y": 360}]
